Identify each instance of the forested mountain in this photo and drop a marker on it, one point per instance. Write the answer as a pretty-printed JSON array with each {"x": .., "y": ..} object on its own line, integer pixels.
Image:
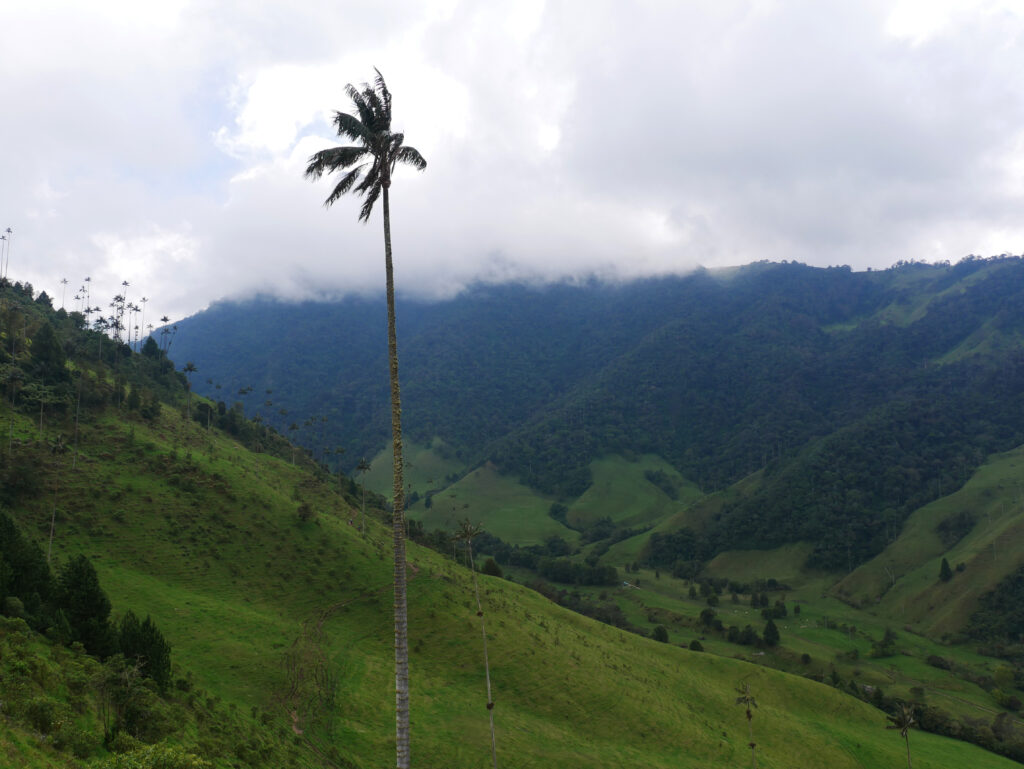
[
  {"x": 860, "y": 395},
  {"x": 179, "y": 589}
]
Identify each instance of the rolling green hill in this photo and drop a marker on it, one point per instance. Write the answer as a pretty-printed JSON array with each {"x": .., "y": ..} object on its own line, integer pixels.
[
  {"x": 294, "y": 619},
  {"x": 277, "y": 607}
]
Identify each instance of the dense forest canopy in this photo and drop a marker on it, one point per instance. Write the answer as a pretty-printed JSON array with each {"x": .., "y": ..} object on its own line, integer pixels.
[{"x": 860, "y": 395}]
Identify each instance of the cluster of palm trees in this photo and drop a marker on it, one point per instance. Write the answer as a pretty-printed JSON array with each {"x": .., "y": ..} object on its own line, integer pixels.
[{"x": 126, "y": 322}]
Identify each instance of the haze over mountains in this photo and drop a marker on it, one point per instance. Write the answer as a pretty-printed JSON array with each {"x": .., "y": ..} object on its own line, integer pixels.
[{"x": 861, "y": 395}]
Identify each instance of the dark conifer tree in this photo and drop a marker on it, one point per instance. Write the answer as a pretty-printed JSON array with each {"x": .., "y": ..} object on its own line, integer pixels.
[
  {"x": 86, "y": 606},
  {"x": 945, "y": 573}
]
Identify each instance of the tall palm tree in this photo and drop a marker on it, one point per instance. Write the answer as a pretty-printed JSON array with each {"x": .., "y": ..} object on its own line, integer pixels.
[
  {"x": 902, "y": 720},
  {"x": 367, "y": 167}
]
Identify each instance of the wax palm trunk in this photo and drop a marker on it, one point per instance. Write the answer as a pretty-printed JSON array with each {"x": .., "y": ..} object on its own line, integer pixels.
[{"x": 398, "y": 516}]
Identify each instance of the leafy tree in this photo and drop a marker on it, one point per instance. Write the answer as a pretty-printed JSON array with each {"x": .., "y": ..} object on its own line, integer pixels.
[
  {"x": 945, "y": 573},
  {"x": 48, "y": 355},
  {"x": 886, "y": 645},
  {"x": 160, "y": 756},
  {"x": 144, "y": 643},
  {"x": 24, "y": 573},
  {"x": 660, "y": 633},
  {"x": 770, "y": 634},
  {"x": 383, "y": 148},
  {"x": 151, "y": 349}
]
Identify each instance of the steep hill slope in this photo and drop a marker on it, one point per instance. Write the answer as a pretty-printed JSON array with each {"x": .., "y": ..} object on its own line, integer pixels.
[
  {"x": 294, "y": 619},
  {"x": 276, "y": 604}
]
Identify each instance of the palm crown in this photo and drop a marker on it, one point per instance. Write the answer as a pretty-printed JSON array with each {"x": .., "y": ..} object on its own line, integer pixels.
[{"x": 369, "y": 164}]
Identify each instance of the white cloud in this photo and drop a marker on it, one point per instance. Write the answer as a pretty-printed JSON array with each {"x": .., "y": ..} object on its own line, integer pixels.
[{"x": 166, "y": 145}]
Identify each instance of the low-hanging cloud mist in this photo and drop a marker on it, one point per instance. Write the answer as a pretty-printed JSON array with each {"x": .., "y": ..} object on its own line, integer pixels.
[{"x": 165, "y": 144}]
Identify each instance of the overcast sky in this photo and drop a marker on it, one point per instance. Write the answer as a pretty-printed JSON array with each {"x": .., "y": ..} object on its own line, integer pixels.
[{"x": 163, "y": 143}]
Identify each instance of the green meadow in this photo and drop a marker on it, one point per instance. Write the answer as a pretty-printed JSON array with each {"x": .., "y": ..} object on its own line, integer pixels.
[{"x": 292, "y": 618}]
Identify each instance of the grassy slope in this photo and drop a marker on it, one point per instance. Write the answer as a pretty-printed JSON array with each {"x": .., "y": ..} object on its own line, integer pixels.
[
  {"x": 425, "y": 468},
  {"x": 519, "y": 515},
  {"x": 990, "y": 552},
  {"x": 212, "y": 549},
  {"x": 506, "y": 508},
  {"x": 621, "y": 492}
]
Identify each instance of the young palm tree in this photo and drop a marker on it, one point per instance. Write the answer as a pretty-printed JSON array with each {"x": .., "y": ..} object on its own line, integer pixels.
[
  {"x": 367, "y": 166},
  {"x": 902, "y": 720},
  {"x": 465, "y": 534},
  {"x": 747, "y": 700}
]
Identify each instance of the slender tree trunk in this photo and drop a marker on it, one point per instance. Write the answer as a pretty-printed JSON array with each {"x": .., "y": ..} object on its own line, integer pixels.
[
  {"x": 53, "y": 524},
  {"x": 78, "y": 408},
  {"x": 750, "y": 734},
  {"x": 398, "y": 517},
  {"x": 907, "y": 738},
  {"x": 487, "y": 664}
]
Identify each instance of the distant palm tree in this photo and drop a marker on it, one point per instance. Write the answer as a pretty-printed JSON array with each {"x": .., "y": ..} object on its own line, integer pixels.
[
  {"x": 8, "y": 237},
  {"x": 465, "y": 534},
  {"x": 368, "y": 166},
  {"x": 142, "y": 324},
  {"x": 164, "y": 332},
  {"x": 189, "y": 369},
  {"x": 363, "y": 467},
  {"x": 747, "y": 700},
  {"x": 902, "y": 720}
]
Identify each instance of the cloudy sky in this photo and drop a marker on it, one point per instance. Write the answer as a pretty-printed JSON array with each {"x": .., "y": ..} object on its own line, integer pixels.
[{"x": 163, "y": 143}]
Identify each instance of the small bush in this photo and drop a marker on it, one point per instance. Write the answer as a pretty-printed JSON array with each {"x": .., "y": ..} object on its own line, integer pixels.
[{"x": 71, "y": 737}]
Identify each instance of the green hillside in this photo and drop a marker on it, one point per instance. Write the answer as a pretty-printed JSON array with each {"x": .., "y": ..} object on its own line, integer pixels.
[
  {"x": 979, "y": 526},
  {"x": 857, "y": 397},
  {"x": 250, "y": 598},
  {"x": 277, "y": 609}
]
